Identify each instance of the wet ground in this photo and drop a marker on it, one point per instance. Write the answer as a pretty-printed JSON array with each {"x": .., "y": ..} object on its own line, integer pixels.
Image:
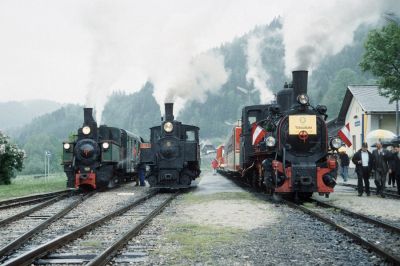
[{"x": 214, "y": 183}]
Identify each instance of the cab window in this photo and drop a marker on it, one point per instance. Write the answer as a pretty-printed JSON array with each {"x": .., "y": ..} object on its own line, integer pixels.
[{"x": 190, "y": 136}]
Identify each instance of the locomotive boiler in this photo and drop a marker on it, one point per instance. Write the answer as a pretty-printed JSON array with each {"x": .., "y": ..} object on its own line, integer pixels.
[
  {"x": 173, "y": 154},
  {"x": 100, "y": 157}
]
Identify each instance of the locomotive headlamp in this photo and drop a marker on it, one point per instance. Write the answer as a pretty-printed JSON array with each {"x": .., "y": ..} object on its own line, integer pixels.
[
  {"x": 336, "y": 143},
  {"x": 86, "y": 130},
  {"x": 67, "y": 146},
  {"x": 105, "y": 145},
  {"x": 270, "y": 141},
  {"x": 302, "y": 99},
  {"x": 168, "y": 127}
]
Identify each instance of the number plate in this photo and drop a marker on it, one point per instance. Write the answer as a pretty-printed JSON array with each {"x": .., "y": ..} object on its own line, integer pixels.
[{"x": 299, "y": 123}]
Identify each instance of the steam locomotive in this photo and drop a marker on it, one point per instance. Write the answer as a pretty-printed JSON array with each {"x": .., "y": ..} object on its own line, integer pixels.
[
  {"x": 283, "y": 146},
  {"x": 100, "y": 157},
  {"x": 173, "y": 153}
]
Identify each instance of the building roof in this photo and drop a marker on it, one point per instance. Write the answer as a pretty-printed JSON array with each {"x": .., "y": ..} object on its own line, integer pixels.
[{"x": 370, "y": 100}]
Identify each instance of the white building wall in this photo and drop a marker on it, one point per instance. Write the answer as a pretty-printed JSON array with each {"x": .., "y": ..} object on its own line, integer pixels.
[{"x": 354, "y": 118}]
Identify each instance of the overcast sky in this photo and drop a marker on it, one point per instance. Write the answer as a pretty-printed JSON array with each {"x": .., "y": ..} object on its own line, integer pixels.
[{"x": 58, "y": 49}]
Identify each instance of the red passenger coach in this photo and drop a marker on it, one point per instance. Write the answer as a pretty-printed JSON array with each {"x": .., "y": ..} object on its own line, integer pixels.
[{"x": 232, "y": 151}]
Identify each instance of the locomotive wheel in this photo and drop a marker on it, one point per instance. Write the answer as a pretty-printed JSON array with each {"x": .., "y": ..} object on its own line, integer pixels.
[
  {"x": 152, "y": 180},
  {"x": 255, "y": 181},
  {"x": 185, "y": 180}
]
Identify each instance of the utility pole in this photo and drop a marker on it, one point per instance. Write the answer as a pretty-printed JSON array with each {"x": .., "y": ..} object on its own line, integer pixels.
[
  {"x": 47, "y": 155},
  {"x": 397, "y": 117},
  {"x": 248, "y": 92}
]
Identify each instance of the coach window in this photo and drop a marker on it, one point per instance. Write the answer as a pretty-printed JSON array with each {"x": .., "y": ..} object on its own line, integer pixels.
[{"x": 190, "y": 136}]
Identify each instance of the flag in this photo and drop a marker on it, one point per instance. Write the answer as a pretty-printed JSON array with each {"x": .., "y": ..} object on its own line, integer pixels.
[
  {"x": 258, "y": 133},
  {"x": 344, "y": 134}
]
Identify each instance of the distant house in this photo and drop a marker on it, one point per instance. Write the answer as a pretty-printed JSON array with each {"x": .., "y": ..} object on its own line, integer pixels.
[{"x": 365, "y": 110}]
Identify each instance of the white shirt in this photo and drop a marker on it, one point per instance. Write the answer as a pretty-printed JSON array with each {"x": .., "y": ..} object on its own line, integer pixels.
[{"x": 364, "y": 158}]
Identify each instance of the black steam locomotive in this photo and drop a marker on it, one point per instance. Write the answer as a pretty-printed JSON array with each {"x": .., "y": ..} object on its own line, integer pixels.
[
  {"x": 100, "y": 157},
  {"x": 173, "y": 153},
  {"x": 284, "y": 146}
]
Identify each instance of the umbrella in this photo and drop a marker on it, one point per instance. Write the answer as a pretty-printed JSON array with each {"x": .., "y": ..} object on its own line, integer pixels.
[{"x": 380, "y": 135}]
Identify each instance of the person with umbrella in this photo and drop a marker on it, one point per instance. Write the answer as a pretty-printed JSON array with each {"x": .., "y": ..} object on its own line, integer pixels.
[
  {"x": 344, "y": 164},
  {"x": 380, "y": 167}
]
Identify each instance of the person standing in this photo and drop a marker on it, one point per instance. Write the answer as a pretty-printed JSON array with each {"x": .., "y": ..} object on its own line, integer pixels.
[
  {"x": 363, "y": 160},
  {"x": 214, "y": 165},
  {"x": 380, "y": 167},
  {"x": 142, "y": 174},
  {"x": 392, "y": 168},
  {"x": 344, "y": 165},
  {"x": 395, "y": 156}
]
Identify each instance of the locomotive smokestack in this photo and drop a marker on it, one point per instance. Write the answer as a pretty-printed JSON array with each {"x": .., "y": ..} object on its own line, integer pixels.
[
  {"x": 169, "y": 112},
  {"x": 300, "y": 79},
  {"x": 88, "y": 116}
]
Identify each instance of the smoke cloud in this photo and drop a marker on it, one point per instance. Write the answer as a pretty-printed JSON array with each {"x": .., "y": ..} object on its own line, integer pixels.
[
  {"x": 309, "y": 38},
  {"x": 204, "y": 74},
  {"x": 256, "y": 73},
  {"x": 85, "y": 49},
  {"x": 107, "y": 57}
]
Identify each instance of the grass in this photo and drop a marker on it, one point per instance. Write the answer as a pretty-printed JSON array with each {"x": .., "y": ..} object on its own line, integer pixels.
[
  {"x": 197, "y": 242},
  {"x": 190, "y": 198},
  {"x": 91, "y": 243},
  {"x": 27, "y": 185}
]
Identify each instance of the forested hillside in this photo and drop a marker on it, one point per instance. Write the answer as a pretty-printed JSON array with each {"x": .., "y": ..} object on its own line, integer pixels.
[
  {"x": 46, "y": 133},
  {"x": 23, "y": 112},
  {"x": 135, "y": 112},
  {"x": 214, "y": 116},
  {"x": 328, "y": 82}
]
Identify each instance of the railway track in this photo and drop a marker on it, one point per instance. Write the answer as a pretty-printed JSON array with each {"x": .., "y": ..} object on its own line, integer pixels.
[
  {"x": 98, "y": 241},
  {"x": 373, "y": 234},
  {"x": 15, "y": 233},
  {"x": 27, "y": 200},
  {"x": 376, "y": 235},
  {"x": 387, "y": 193}
]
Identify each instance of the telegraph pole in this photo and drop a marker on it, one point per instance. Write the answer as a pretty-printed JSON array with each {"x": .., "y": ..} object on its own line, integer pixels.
[{"x": 397, "y": 117}]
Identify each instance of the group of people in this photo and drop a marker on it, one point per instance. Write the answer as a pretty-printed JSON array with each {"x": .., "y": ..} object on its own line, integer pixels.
[{"x": 380, "y": 163}]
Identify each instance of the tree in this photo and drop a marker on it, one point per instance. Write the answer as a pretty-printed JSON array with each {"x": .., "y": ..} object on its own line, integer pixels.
[
  {"x": 382, "y": 58},
  {"x": 337, "y": 89},
  {"x": 11, "y": 159}
]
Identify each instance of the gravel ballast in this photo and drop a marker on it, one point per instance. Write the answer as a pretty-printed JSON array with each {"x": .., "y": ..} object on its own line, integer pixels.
[{"x": 237, "y": 228}]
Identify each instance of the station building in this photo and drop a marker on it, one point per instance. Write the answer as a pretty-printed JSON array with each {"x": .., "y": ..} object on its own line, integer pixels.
[{"x": 365, "y": 110}]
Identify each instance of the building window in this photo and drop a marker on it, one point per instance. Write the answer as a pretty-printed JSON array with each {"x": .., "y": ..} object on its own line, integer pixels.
[{"x": 354, "y": 143}]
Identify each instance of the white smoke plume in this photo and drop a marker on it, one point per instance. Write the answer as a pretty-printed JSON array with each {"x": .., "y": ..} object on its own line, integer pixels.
[
  {"x": 256, "y": 73},
  {"x": 310, "y": 36},
  {"x": 204, "y": 74},
  {"x": 107, "y": 58}
]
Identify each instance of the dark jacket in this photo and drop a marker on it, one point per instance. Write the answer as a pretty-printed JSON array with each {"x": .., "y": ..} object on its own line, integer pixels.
[
  {"x": 394, "y": 163},
  {"x": 380, "y": 161},
  {"x": 357, "y": 157},
  {"x": 344, "y": 159}
]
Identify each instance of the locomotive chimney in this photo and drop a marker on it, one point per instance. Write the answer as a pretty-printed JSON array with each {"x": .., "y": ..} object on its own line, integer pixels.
[
  {"x": 88, "y": 116},
  {"x": 300, "y": 79},
  {"x": 169, "y": 112}
]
